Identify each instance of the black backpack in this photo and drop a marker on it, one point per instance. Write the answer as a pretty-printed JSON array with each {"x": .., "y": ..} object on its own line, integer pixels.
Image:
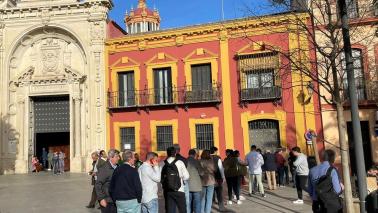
[
  {"x": 326, "y": 193},
  {"x": 170, "y": 178}
]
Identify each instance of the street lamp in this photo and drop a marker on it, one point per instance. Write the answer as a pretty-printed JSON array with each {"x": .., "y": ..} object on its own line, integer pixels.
[{"x": 310, "y": 88}]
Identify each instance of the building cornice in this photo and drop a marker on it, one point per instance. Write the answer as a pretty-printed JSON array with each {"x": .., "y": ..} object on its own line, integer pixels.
[
  {"x": 206, "y": 32},
  {"x": 56, "y": 10}
]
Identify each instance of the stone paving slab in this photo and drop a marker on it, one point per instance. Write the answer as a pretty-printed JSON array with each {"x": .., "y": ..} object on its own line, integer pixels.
[{"x": 70, "y": 193}]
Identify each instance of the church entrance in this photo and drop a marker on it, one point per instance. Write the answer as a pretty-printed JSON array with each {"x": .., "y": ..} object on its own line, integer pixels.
[{"x": 51, "y": 124}]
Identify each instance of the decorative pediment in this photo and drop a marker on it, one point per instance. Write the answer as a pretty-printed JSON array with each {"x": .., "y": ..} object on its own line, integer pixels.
[
  {"x": 200, "y": 53},
  {"x": 161, "y": 58},
  {"x": 28, "y": 77},
  {"x": 125, "y": 62},
  {"x": 257, "y": 47}
]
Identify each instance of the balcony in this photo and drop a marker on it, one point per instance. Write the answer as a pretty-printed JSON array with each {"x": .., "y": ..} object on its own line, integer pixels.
[
  {"x": 262, "y": 93},
  {"x": 185, "y": 95},
  {"x": 366, "y": 92}
]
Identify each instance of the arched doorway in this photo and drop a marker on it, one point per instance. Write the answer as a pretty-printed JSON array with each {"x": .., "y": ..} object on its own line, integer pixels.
[{"x": 264, "y": 133}]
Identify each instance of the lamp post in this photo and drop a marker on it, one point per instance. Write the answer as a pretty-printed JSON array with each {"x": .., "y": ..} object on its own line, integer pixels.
[{"x": 357, "y": 137}]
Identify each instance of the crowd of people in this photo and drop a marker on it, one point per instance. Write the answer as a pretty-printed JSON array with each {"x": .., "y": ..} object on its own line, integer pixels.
[
  {"x": 123, "y": 183},
  {"x": 50, "y": 161}
]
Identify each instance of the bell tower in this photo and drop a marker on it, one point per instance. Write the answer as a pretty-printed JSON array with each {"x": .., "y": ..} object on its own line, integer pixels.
[{"x": 142, "y": 19}]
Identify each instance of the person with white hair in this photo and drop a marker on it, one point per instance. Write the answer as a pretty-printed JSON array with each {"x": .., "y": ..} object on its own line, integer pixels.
[
  {"x": 104, "y": 177},
  {"x": 125, "y": 187}
]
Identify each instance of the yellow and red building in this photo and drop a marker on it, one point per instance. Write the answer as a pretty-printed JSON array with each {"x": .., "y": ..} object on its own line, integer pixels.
[{"x": 224, "y": 84}]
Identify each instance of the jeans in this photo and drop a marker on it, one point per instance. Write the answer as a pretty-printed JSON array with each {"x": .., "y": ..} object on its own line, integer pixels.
[
  {"x": 186, "y": 190},
  {"x": 233, "y": 183},
  {"x": 281, "y": 174},
  {"x": 173, "y": 200},
  {"x": 151, "y": 207},
  {"x": 219, "y": 193},
  {"x": 286, "y": 170},
  {"x": 301, "y": 184},
  {"x": 128, "y": 206},
  {"x": 194, "y": 202},
  {"x": 258, "y": 178},
  {"x": 207, "y": 198}
]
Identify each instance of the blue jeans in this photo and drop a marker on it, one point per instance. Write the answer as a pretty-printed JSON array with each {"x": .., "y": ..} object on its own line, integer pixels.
[
  {"x": 207, "y": 198},
  {"x": 128, "y": 206},
  {"x": 186, "y": 190},
  {"x": 151, "y": 207},
  {"x": 194, "y": 202}
]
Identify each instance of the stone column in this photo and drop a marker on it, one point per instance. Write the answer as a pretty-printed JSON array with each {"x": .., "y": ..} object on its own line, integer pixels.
[
  {"x": 77, "y": 125},
  {"x": 21, "y": 165}
]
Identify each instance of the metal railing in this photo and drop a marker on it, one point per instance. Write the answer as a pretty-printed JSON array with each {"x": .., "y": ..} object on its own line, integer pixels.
[
  {"x": 262, "y": 93},
  {"x": 165, "y": 96},
  {"x": 366, "y": 91}
]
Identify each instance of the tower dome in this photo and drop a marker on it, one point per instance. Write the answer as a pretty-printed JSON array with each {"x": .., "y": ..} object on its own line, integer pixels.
[{"x": 142, "y": 19}]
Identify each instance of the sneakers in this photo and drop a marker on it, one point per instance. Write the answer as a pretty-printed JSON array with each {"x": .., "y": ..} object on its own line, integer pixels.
[
  {"x": 229, "y": 202},
  {"x": 240, "y": 197},
  {"x": 263, "y": 195},
  {"x": 239, "y": 202},
  {"x": 298, "y": 201}
]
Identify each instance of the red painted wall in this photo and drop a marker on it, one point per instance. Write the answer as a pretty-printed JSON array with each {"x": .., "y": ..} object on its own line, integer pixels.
[{"x": 168, "y": 113}]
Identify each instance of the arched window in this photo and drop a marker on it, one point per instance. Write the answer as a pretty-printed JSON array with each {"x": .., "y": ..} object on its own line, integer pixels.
[
  {"x": 359, "y": 76},
  {"x": 264, "y": 134}
]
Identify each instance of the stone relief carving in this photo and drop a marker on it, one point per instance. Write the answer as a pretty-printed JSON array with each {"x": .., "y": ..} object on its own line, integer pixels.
[
  {"x": 45, "y": 16},
  {"x": 97, "y": 30},
  {"x": 50, "y": 51}
]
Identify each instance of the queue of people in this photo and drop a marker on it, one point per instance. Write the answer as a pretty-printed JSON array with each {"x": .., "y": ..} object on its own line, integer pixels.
[
  {"x": 52, "y": 160},
  {"x": 123, "y": 183}
]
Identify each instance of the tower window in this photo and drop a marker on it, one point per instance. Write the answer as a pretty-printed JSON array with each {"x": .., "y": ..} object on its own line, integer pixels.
[{"x": 149, "y": 26}]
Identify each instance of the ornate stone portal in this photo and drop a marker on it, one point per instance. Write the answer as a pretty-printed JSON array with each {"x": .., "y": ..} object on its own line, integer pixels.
[{"x": 54, "y": 48}]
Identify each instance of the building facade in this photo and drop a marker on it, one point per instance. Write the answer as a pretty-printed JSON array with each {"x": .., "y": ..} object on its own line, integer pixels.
[
  {"x": 52, "y": 80},
  {"x": 363, "y": 31},
  {"x": 220, "y": 84}
]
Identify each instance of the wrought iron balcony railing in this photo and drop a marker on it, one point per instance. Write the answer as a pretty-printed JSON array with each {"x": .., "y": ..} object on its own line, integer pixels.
[
  {"x": 262, "y": 93},
  {"x": 165, "y": 96},
  {"x": 365, "y": 91}
]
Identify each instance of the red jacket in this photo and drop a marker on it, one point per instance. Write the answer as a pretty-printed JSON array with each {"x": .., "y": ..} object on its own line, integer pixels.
[{"x": 280, "y": 160}]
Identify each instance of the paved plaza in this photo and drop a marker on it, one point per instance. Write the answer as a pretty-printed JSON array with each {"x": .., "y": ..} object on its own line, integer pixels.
[{"x": 70, "y": 193}]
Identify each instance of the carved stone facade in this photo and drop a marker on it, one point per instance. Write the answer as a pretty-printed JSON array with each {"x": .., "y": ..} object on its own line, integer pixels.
[{"x": 50, "y": 48}]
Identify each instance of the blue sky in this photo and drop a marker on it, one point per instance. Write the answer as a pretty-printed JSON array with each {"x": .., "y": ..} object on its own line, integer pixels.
[{"x": 178, "y": 13}]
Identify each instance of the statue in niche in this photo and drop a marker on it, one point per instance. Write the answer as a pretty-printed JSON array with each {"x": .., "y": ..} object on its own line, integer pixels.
[{"x": 50, "y": 52}]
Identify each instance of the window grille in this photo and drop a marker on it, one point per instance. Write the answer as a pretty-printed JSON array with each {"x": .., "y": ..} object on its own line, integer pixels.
[
  {"x": 164, "y": 137},
  {"x": 259, "y": 76},
  {"x": 359, "y": 76},
  {"x": 204, "y": 136},
  {"x": 264, "y": 134},
  {"x": 128, "y": 137}
]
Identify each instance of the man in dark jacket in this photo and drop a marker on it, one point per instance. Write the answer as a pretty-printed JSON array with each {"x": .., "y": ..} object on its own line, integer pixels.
[
  {"x": 219, "y": 177},
  {"x": 92, "y": 202},
  {"x": 270, "y": 169},
  {"x": 104, "y": 176},
  {"x": 125, "y": 187}
]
